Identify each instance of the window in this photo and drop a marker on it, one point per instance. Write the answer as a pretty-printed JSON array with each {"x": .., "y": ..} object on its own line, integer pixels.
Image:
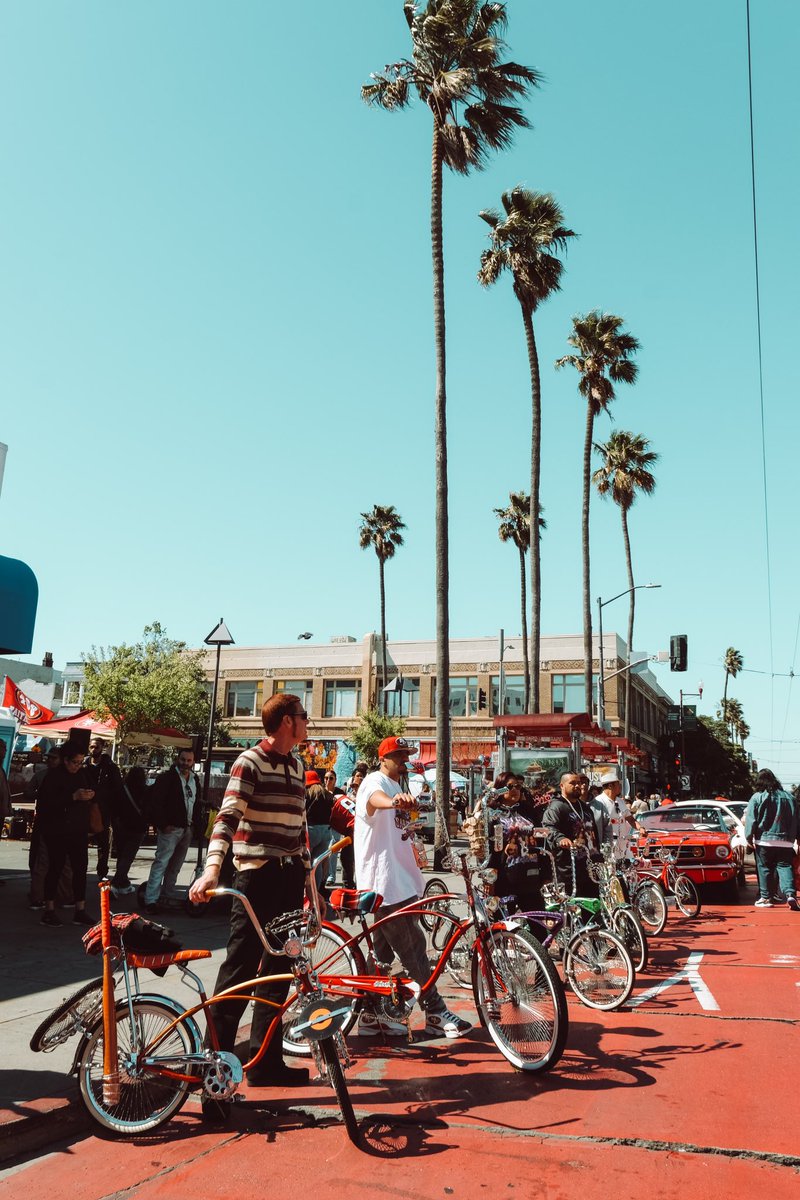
[
  {"x": 342, "y": 697},
  {"x": 513, "y": 694},
  {"x": 405, "y": 703},
  {"x": 244, "y": 697},
  {"x": 568, "y": 694},
  {"x": 463, "y": 696},
  {"x": 297, "y": 687},
  {"x": 72, "y": 692}
]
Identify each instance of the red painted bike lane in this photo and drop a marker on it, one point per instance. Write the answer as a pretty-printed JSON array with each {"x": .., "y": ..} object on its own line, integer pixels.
[{"x": 691, "y": 1086}]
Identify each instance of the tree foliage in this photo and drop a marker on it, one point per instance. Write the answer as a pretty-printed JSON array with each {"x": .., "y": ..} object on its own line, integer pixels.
[
  {"x": 156, "y": 682},
  {"x": 370, "y": 730},
  {"x": 716, "y": 765}
]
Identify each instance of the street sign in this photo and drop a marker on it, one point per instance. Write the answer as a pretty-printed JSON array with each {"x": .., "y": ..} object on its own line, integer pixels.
[
  {"x": 673, "y": 717},
  {"x": 686, "y": 783},
  {"x": 689, "y": 717}
]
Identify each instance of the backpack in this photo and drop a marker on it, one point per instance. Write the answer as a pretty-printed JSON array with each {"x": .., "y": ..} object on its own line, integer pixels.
[{"x": 139, "y": 935}]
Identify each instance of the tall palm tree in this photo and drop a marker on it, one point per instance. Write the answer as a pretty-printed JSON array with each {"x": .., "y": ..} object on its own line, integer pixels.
[
  {"x": 603, "y": 359},
  {"x": 456, "y": 70},
  {"x": 733, "y": 663},
  {"x": 381, "y": 530},
  {"x": 524, "y": 243},
  {"x": 624, "y": 473},
  {"x": 732, "y": 715},
  {"x": 515, "y": 527}
]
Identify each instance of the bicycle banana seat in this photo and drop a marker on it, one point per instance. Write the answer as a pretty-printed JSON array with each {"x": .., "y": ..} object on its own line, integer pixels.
[
  {"x": 156, "y": 961},
  {"x": 352, "y": 901}
]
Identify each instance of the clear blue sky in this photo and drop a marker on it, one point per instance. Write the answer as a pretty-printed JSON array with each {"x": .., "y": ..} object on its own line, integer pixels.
[{"x": 217, "y": 349}]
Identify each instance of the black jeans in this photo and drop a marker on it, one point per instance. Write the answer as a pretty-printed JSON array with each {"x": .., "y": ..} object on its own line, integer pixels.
[
  {"x": 272, "y": 890},
  {"x": 60, "y": 847}
]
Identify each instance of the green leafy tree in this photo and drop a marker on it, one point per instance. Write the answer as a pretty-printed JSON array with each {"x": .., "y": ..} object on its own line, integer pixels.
[
  {"x": 515, "y": 527},
  {"x": 369, "y": 731},
  {"x": 155, "y": 682},
  {"x": 456, "y": 71},
  {"x": 381, "y": 529},
  {"x": 604, "y": 357},
  {"x": 716, "y": 765},
  {"x": 733, "y": 663},
  {"x": 524, "y": 243},
  {"x": 625, "y": 473}
]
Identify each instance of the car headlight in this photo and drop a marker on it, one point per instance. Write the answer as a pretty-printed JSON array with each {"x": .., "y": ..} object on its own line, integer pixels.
[{"x": 723, "y": 852}]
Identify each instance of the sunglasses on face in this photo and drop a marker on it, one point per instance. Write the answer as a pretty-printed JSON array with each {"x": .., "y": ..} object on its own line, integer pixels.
[{"x": 302, "y": 715}]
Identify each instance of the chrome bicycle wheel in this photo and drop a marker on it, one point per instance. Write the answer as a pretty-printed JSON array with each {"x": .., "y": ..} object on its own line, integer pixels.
[
  {"x": 686, "y": 896},
  {"x": 433, "y": 888},
  {"x": 332, "y": 954},
  {"x": 626, "y": 924},
  {"x": 598, "y": 968},
  {"x": 77, "y": 1014},
  {"x": 649, "y": 902},
  {"x": 333, "y": 1068},
  {"x": 520, "y": 999},
  {"x": 146, "y": 1099}
]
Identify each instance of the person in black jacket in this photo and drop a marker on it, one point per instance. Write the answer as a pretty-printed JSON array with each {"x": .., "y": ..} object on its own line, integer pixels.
[
  {"x": 62, "y": 815},
  {"x": 176, "y": 812},
  {"x": 106, "y": 779},
  {"x": 319, "y": 802},
  {"x": 570, "y": 824},
  {"x": 130, "y": 826}
]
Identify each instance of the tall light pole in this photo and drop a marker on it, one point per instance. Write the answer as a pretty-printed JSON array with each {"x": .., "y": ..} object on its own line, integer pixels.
[
  {"x": 601, "y": 692},
  {"x": 219, "y": 637},
  {"x": 501, "y": 705}
]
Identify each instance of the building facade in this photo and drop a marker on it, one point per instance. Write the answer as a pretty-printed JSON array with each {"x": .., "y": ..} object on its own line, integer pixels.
[{"x": 336, "y": 680}]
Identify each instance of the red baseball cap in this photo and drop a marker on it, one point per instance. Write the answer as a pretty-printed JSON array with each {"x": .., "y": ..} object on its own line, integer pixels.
[
  {"x": 395, "y": 745},
  {"x": 311, "y": 777}
]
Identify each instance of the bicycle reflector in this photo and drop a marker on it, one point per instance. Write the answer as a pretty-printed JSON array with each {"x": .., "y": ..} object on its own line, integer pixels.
[{"x": 319, "y": 1018}]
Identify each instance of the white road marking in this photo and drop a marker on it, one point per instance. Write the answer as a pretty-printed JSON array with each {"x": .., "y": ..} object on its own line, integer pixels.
[{"x": 689, "y": 974}]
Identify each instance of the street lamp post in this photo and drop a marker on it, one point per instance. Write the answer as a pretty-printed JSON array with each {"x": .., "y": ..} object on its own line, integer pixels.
[
  {"x": 219, "y": 637},
  {"x": 601, "y": 691}
]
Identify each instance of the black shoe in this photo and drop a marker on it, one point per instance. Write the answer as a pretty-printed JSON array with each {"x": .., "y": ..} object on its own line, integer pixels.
[
  {"x": 151, "y": 910},
  {"x": 50, "y": 918},
  {"x": 278, "y": 1077},
  {"x": 215, "y": 1112},
  {"x": 81, "y": 917}
]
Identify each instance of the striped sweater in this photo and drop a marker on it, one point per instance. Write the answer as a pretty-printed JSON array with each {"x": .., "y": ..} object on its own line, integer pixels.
[{"x": 262, "y": 810}]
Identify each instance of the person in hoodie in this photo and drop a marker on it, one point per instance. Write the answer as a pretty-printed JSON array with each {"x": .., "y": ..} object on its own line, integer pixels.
[{"x": 771, "y": 827}]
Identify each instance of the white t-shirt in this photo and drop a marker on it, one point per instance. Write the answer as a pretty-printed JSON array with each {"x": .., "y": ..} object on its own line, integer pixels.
[
  {"x": 618, "y": 830},
  {"x": 384, "y": 862}
]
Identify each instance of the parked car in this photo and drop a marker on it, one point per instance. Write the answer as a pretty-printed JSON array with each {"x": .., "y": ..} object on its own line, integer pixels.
[
  {"x": 733, "y": 816},
  {"x": 705, "y": 849}
]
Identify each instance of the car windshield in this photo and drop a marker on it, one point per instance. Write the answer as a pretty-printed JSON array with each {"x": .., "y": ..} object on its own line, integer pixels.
[{"x": 667, "y": 822}]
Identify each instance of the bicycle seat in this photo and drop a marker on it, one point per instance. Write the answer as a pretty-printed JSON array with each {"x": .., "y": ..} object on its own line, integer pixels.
[
  {"x": 156, "y": 961},
  {"x": 350, "y": 900}
]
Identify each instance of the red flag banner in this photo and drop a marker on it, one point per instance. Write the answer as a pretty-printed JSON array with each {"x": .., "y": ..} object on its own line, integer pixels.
[{"x": 28, "y": 711}]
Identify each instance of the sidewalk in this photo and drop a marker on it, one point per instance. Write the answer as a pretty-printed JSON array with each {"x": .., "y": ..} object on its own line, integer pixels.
[{"x": 39, "y": 967}]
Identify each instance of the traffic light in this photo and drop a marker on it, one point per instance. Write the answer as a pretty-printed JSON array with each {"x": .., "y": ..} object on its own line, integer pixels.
[
  {"x": 678, "y": 652},
  {"x": 481, "y": 698}
]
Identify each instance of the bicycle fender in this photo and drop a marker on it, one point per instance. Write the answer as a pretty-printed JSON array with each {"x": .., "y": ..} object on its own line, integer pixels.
[{"x": 177, "y": 1008}]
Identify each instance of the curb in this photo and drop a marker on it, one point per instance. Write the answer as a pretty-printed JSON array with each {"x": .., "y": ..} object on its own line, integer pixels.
[{"x": 39, "y": 1124}]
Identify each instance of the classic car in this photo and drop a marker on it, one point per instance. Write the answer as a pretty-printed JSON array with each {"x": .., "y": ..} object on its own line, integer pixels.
[
  {"x": 733, "y": 812},
  {"x": 705, "y": 848}
]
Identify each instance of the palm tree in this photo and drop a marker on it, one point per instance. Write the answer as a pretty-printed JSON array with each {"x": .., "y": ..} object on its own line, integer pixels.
[
  {"x": 624, "y": 473},
  {"x": 381, "y": 530},
  {"x": 454, "y": 69},
  {"x": 603, "y": 359},
  {"x": 515, "y": 527},
  {"x": 523, "y": 243},
  {"x": 732, "y": 714},
  {"x": 733, "y": 663}
]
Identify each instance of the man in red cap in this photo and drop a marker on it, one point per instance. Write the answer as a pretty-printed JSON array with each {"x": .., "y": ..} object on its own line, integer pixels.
[{"x": 385, "y": 863}]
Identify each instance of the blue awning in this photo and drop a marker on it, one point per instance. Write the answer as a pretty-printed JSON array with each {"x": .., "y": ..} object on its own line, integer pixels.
[{"x": 19, "y": 596}]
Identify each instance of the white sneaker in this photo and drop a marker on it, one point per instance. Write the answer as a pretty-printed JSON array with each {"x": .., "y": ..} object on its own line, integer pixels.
[
  {"x": 763, "y": 902},
  {"x": 371, "y": 1025},
  {"x": 446, "y": 1024}
]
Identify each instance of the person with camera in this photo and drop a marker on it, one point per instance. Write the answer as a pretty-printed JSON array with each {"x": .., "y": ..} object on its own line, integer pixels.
[{"x": 62, "y": 814}]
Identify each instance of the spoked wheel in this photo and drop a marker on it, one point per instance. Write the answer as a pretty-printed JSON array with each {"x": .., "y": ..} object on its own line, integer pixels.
[
  {"x": 686, "y": 896},
  {"x": 651, "y": 906},
  {"x": 520, "y": 999},
  {"x": 146, "y": 1100},
  {"x": 333, "y": 1068},
  {"x": 626, "y": 924},
  {"x": 598, "y": 968},
  {"x": 433, "y": 889},
  {"x": 77, "y": 1014},
  {"x": 333, "y": 954}
]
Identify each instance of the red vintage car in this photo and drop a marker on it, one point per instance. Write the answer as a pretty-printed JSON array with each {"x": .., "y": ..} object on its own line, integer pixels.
[{"x": 705, "y": 848}]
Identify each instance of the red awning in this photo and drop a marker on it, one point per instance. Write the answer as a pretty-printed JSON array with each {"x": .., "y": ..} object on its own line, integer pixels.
[
  {"x": 462, "y": 752},
  {"x": 61, "y": 727}
]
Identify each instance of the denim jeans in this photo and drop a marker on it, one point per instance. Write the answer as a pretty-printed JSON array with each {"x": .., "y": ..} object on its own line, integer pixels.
[
  {"x": 769, "y": 860},
  {"x": 171, "y": 851},
  {"x": 405, "y": 937}
]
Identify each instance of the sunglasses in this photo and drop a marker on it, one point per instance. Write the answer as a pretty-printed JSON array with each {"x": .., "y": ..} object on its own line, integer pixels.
[{"x": 302, "y": 715}]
